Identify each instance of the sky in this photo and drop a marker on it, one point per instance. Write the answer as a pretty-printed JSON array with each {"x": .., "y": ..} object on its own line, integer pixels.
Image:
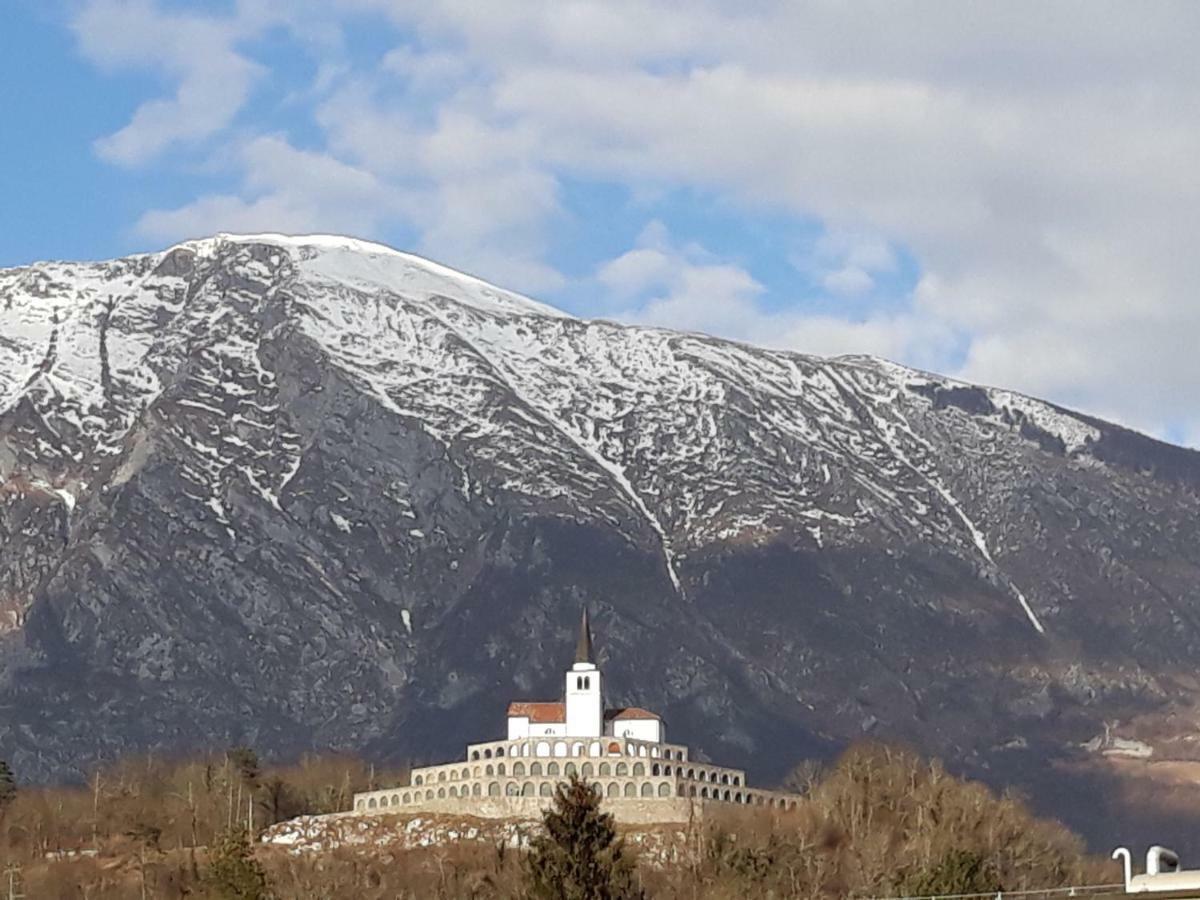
[{"x": 1005, "y": 192}]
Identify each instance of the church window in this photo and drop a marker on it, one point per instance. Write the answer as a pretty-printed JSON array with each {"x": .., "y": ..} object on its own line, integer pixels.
[
  {"x": 630, "y": 789},
  {"x": 587, "y": 770},
  {"x": 527, "y": 789},
  {"x": 614, "y": 789},
  {"x": 535, "y": 768},
  {"x": 578, "y": 683},
  {"x": 587, "y": 683},
  {"x": 552, "y": 769},
  {"x": 493, "y": 789},
  {"x": 605, "y": 769},
  {"x": 518, "y": 768},
  {"x": 639, "y": 769},
  {"x": 647, "y": 789},
  {"x": 569, "y": 769},
  {"x": 622, "y": 769},
  {"x": 544, "y": 789}
]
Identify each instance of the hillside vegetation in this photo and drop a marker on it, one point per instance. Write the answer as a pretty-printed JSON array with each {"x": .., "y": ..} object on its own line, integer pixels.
[{"x": 881, "y": 821}]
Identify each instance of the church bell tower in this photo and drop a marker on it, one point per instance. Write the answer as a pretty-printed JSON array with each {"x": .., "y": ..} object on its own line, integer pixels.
[{"x": 584, "y": 699}]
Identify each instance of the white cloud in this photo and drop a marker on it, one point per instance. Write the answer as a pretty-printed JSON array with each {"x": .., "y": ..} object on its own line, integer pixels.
[
  {"x": 1034, "y": 161},
  {"x": 197, "y": 52}
]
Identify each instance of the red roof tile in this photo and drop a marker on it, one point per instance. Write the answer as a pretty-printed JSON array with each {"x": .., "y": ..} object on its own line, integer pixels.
[
  {"x": 538, "y": 712},
  {"x": 629, "y": 712}
]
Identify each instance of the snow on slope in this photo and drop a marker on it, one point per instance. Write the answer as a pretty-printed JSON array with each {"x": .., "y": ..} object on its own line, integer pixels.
[{"x": 697, "y": 439}]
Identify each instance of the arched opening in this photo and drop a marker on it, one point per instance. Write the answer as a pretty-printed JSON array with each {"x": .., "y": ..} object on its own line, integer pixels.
[
  {"x": 542, "y": 749},
  {"x": 544, "y": 789},
  {"x": 577, "y": 748},
  {"x": 642, "y": 751},
  {"x": 383, "y": 801},
  {"x": 622, "y": 769},
  {"x": 535, "y": 768},
  {"x": 476, "y": 789},
  {"x": 594, "y": 749},
  {"x": 527, "y": 789},
  {"x": 478, "y": 771},
  {"x": 441, "y": 776},
  {"x": 737, "y": 797},
  {"x": 614, "y": 749},
  {"x": 487, "y": 754},
  {"x": 726, "y": 797},
  {"x": 639, "y": 769},
  {"x": 725, "y": 779},
  {"x": 518, "y": 768},
  {"x": 605, "y": 769},
  {"x": 569, "y": 770},
  {"x": 493, "y": 789},
  {"x": 454, "y": 774},
  {"x": 499, "y": 768},
  {"x": 586, "y": 770},
  {"x": 474, "y": 754},
  {"x": 407, "y": 798},
  {"x": 552, "y": 768},
  {"x": 692, "y": 790},
  {"x": 666, "y": 770},
  {"x": 704, "y": 793},
  {"x": 490, "y": 769},
  {"x": 441, "y": 793},
  {"x": 361, "y": 804},
  {"x": 417, "y": 780},
  {"x": 466, "y": 773},
  {"x": 630, "y": 789},
  {"x": 372, "y": 803},
  {"x": 579, "y": 682},
  {"x": 512, "y": 789},
  {"x": 499, "y": 751},
  {"x": 691, "y": 773},
  {"x": 560, "y": 748},
  {"x": 614, "y": 789},
  {"x": 453, "y": 790},
  {"x": 647, "y": 789}
]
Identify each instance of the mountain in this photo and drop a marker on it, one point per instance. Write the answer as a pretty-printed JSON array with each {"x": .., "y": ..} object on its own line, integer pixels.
[{"x": 311, "y": 492}]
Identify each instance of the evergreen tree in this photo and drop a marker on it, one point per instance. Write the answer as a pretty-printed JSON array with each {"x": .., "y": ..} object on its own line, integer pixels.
[
  {"x": 578, "y": 856},
  {"x": 8, "y": 786},
  {"x": 234, "y": 873}
]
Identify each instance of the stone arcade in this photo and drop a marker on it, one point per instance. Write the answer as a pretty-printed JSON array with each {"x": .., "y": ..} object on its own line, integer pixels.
[{"x": 623, "y": 753}]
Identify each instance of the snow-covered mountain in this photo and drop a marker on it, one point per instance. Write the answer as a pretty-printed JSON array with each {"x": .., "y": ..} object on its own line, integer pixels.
[{"x": 313, "y": 492}]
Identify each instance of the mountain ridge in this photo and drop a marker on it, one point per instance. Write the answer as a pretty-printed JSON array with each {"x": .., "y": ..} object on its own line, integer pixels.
[{"x": 327, "y": 496}]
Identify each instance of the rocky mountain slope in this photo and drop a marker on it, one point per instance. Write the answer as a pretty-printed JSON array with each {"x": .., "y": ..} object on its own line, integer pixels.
[{"x": 315, "y": 493}]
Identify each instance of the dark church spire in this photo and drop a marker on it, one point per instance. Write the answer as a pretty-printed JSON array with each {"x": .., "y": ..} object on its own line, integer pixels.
[{"x": 583, "y": 648}]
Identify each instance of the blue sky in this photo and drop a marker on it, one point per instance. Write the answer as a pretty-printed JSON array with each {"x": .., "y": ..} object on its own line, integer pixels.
[{"x": 1001, "y": 192}]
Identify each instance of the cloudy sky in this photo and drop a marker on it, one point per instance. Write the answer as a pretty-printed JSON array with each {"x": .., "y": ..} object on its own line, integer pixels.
[{"x": 1007, "y": 192}]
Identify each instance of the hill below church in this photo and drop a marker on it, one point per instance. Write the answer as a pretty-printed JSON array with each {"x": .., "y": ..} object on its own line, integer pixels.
[{"x": 313, "y": 493}]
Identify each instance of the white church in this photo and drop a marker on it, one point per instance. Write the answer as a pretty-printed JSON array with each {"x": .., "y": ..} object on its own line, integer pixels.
[
  {"x": 622, "y": 752},
  {"x": 581, "y": 713}
]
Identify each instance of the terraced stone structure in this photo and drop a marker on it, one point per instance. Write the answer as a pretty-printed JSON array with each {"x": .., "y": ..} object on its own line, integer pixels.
[{"x": 622, "y": 753}]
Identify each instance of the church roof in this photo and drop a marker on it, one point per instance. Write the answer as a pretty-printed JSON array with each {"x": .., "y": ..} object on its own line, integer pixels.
[
  {"x": 583, "y": 647},
  {"x": 630, "y": 712},
  {"x": 537, "y": 711}
]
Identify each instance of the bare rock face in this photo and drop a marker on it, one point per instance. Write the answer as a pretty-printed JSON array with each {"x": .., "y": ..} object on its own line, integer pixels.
[{"x": 313, "y": 493}]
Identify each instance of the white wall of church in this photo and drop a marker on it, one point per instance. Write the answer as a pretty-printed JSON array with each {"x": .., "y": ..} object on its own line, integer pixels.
[
  {"x": 518, "y": 727},
  {"x": 639, "y": 729},
  {"x": 585, "y": 708}
]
